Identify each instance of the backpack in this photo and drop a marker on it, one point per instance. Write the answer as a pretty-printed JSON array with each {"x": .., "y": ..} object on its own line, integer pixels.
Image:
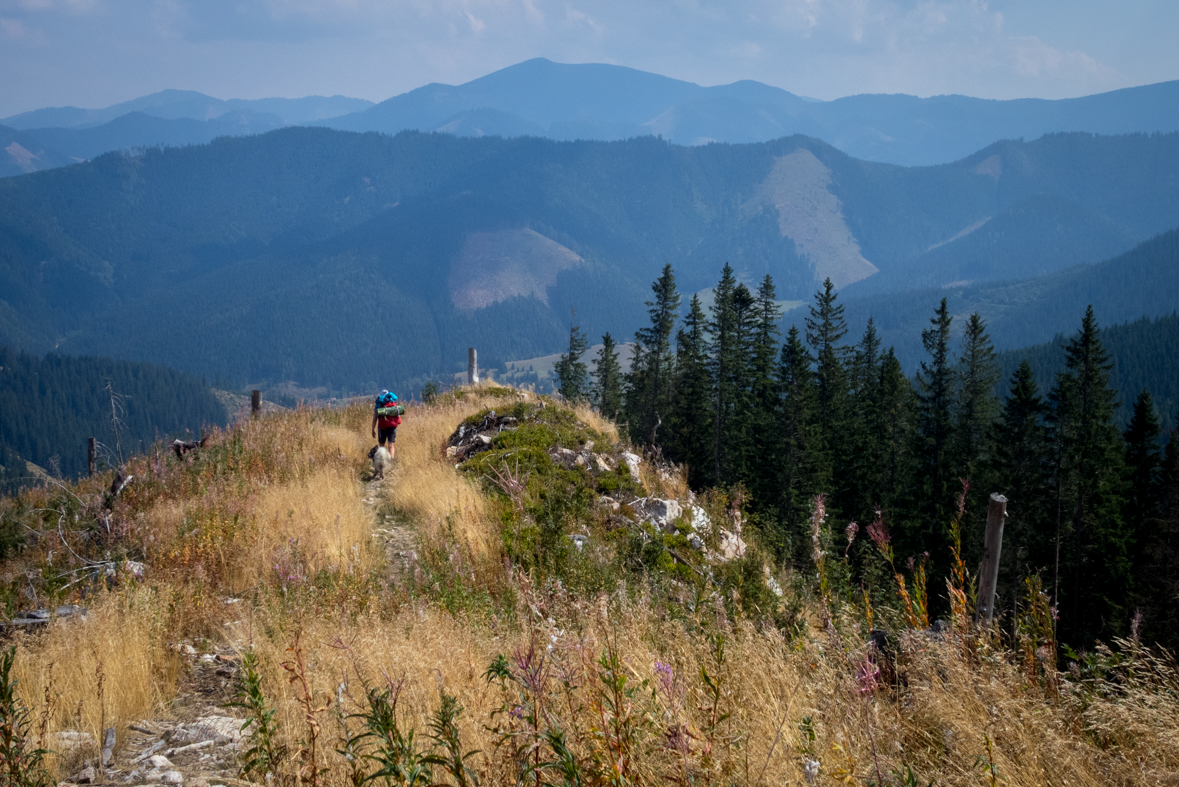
[{"x": 387, "y": 407}]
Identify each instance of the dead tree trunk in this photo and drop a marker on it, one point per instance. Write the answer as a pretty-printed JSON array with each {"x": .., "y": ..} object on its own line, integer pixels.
[{"x": 992, "y": 546}]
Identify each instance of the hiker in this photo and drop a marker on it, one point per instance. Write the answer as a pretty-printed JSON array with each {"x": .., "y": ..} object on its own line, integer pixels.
[{"x": 386, "y": 420}]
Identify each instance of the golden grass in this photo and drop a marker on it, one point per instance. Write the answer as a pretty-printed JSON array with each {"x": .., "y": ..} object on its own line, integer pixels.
[
  {"x": 124, "y": 642},
  {"x": 427, "y": 488},
  {"x": 311, "y": 525},
  {"x": 285, "y": 490}
]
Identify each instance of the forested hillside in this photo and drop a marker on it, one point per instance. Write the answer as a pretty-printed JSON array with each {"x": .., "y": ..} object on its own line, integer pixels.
[
  {"x": 51, "y": 405},
  {"x": 1143, "y": 282},
  {"x": 352, "y": 260},
  {"x": 1145, "y": 356},
  {"x": 1093, "y": 509}
]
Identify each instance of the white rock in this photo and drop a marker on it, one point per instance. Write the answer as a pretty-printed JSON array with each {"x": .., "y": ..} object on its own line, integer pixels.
[
  {"x": 220, "y": 729},
  {"x": 698, "y": 519},
  {"x": 610, "y": 503},
  {"x": 731, "y": 546},
  {"x": 695, "y": 542},
  {"x": 772, "y": 583},
  {"x": 659, "y": 512},
  {"x": 173, "y": 777},
  {"x": 159, "y": 761},
  {"x": 633, "y": 463},
  {"x": 68, "y": 740}
]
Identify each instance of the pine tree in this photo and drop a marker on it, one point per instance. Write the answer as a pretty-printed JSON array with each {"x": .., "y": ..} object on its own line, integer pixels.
[
  {"x": 689, "y": 431},
  {"x": 724, "y": 357},
  {"x": 1019, "y": 469},
  {"x": 857, "y": 490},
  {"x": 740, "y": 437},
  {"x": 796, "y": 436},
  {"x": 825, "y": 328},
  {"x": 650, "y": 380},
  {"x": 976, "y": 406},
  {"x": 607, "y": 388},
  {"x": 763, "y": 394},
  {"x": 896, "y": 425},
  {"x": 1092, "y": 571},
  {"x": 1144, "y": 480},
  {"x": 1162, "y": 575},
  {"x": 572, "y": 372},
  {"x": 937, "y": 481}
]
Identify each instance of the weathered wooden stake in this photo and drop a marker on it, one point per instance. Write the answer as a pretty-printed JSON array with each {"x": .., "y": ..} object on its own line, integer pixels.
[
  {"x": 472, "y": 366},
  {"x": 255, "y": 402},
  {"x": 91, "y": 456},
  {"x": 992, "y": 546}
]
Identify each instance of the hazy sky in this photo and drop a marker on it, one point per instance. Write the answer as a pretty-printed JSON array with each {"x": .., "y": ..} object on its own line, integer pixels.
[{"x": 93, "y": 53}]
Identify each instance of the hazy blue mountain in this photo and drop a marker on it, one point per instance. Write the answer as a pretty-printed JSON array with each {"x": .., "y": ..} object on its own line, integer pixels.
[
  {"x": 1143, "y": 282},
  {"x": 22, "y": 152},
  {"x": 1145, "y": 354},
  {"x": 136, "y": 130},
  {"x": 190, "y": 105},
  {"x": 343, "y": 259},
  {"x": 597, "y": 101}
]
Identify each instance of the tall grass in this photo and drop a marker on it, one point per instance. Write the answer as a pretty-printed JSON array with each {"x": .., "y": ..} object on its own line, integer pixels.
[{"x": 648, "y": 682}]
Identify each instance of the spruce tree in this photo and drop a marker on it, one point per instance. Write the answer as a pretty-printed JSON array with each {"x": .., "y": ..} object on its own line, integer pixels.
[
  {"x": 763, "y": 394},
  {"x": 724, "y": 356},
  {"x": 825, "y": 329},
  {"x": 796, "y": 435},
  {"x": 650, "y": 380},
  {"x": 1162, "y": 575},
  {"x": 977, "y": 405},
  {"x": 936, "y": 479},
  {"x": 1143, "y": 480},
  {"x": 740, "y": 437},
  {"x": 1092, "y": 565},
  {"x": 857, "y": 490},
  {"x": 607, "y": 388},
  {"x": 896, "y": 425},
  {"x": 572, "y": 372},
  {"x": 689, "y": 433},
  {"x": 1018, "y": 468}
]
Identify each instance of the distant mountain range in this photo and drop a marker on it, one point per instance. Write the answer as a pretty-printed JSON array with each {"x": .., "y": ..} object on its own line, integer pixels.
[
  {"x": 53, "y": 137},
  {"x": 343, "y": 259},
  {"x": 599, "y": 102},
  {"x": 1143, "y": 282}
]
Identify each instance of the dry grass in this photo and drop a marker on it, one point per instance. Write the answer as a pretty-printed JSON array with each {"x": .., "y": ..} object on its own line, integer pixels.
[
  {"x": 285, "y": 490},
  {"x": 428, "y": 490},
  {"x": 123, "y": 642}
]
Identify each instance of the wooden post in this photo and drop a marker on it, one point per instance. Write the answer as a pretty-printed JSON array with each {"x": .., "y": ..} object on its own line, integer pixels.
[
  {"x": 992, "y": 546},
  {"x": 255, "y": 402},
  {"x": 472, "y": 366},
  {"x": 91, "y": 457}
]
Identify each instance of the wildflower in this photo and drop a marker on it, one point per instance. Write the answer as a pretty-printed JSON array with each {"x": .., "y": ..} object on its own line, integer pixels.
[{"x": 867, "y": 677}]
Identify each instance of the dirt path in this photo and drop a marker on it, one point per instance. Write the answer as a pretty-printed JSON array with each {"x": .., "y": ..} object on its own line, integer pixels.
[
  {"x": 393, "y": 531},
  {"x": 195, "y": 743}
]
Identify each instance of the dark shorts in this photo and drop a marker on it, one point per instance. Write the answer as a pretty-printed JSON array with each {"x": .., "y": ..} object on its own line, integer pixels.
[{"x": 388, "y": 433}]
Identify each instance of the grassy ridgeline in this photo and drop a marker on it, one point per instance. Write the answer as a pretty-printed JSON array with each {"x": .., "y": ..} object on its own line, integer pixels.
[{"x": 645, "y": 674}]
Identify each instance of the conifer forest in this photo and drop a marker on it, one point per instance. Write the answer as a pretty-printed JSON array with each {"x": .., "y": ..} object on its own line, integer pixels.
[{"x": 904, "y": 466}]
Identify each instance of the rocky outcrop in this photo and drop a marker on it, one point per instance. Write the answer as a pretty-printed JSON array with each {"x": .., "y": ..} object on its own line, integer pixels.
[{"x": 470, "y": 439}]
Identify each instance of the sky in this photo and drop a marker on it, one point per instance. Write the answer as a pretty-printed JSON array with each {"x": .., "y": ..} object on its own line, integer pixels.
[{"x": 93, "y": 53}]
